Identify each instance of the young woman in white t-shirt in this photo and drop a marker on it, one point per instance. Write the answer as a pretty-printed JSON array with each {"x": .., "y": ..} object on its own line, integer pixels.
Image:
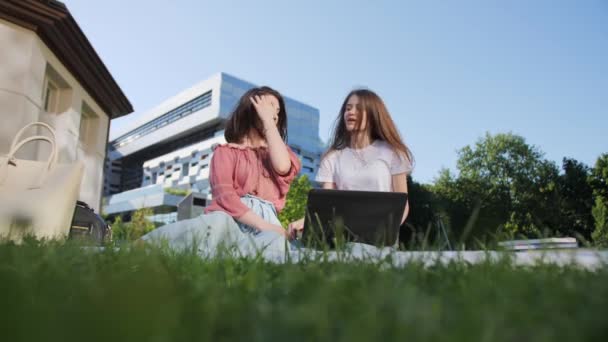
[{"x": 366, "y": 151}]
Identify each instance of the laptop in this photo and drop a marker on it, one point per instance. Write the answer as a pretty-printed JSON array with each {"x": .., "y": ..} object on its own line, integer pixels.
[{"x": 335, "y": 216}]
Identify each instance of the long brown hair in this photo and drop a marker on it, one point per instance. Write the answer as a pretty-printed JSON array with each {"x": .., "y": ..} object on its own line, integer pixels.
[
  {"x": 244, "y": 116},
  {"x": 380, "y": 125}
]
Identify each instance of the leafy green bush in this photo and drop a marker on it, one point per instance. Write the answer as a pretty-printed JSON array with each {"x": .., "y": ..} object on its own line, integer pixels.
[
  {"x": 177, "y": 191},
  {"x": 295, "y": 204},
  {"x": 136, "y": 228}
]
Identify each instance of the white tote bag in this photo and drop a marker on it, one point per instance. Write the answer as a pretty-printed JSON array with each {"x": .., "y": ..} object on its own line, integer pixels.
[{"x": 37, "y": 198}]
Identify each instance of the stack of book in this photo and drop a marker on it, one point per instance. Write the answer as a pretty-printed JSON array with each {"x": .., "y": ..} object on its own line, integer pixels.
[{"x": 549, "y": 243}]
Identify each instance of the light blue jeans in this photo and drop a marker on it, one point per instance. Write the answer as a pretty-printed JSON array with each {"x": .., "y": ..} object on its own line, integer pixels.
[{"x": 218, "y": 231}]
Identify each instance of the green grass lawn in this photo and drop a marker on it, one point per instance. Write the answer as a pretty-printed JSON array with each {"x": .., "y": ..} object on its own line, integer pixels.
[{"x": 62, "y": 293}]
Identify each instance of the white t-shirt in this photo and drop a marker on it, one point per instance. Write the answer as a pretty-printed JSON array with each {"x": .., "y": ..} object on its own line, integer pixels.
[{"x": 368, "y": 169}]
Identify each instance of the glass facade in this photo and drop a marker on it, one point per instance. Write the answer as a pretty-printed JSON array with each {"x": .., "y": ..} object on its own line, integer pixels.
[{"x": 186, "y": 109}]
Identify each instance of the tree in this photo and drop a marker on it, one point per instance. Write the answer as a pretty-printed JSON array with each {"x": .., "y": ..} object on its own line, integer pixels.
[
  {"x": 502, "y": 184},
  {"x": 421, "y": 225},
  {"x": 422, "y": 204},
  {"x": 599, "y": 183},
  {"x": 600, "y": 215},
  {"x": 457, "y": 197},
  {"x": 599, "y": 177},
  {"x": 295, "y": 203},
  {"x": 575, "y": 200}
]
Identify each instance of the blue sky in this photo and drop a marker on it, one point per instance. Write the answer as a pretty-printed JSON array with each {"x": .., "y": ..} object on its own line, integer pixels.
[{"x": 449, "y": 71}]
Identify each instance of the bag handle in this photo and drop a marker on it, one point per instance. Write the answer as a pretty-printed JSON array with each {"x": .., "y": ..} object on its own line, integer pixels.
[
  {"x": 11, "y": 160},
  {"x": 22, "y": 130}
]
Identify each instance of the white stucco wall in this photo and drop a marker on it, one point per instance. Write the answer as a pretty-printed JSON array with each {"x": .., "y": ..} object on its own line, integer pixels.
[{"x": 25, "y": 62}]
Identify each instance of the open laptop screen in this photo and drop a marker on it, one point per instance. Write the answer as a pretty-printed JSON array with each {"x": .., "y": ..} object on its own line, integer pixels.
[{"x": 354, "y": 216}]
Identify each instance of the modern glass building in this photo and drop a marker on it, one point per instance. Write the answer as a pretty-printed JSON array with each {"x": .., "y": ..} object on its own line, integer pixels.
[{"x": 170, "y": 147}]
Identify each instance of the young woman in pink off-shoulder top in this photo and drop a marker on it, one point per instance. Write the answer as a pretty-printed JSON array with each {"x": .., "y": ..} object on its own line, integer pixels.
[
  {"x": 255, "y": 162},
  {"x": 249, "y": 178}
]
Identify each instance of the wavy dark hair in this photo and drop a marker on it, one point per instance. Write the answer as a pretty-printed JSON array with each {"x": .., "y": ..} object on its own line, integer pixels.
[
  {"x": 380, "y": 125},
  {"x": 244, "y": 116}
]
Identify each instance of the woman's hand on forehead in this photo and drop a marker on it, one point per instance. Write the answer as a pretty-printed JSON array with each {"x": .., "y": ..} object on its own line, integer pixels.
[{"x": 267, "y": 107}]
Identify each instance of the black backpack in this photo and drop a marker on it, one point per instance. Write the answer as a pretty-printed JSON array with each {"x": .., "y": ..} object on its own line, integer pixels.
[{"x": 88, "y": 226}]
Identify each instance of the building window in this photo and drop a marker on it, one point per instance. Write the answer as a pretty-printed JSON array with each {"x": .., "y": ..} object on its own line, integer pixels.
[
  {"x": 56, "y": 93},
  {"x": 51, "y": 97},
  {"x": 185, "y": 109},
  {"x": 185, "y": 169},
  {"x": 88, "y": 127}
]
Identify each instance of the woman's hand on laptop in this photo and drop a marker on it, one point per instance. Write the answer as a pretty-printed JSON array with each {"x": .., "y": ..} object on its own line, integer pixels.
[{"x": 295, "y": 227}]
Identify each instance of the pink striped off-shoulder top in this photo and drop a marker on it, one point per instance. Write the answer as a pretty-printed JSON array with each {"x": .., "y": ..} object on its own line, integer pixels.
[{"x": 237, "y": 170}]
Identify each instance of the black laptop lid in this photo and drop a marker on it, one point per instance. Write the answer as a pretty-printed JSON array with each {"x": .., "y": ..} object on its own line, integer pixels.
[{"x": 356, "y": 216}]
